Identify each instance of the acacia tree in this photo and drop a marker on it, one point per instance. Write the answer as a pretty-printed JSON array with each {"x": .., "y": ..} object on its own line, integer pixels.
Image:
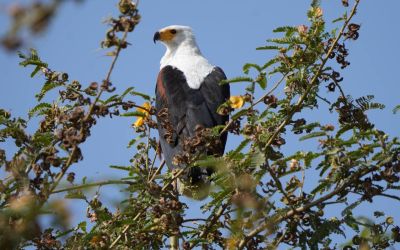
[{"x": 258, "y": 200}]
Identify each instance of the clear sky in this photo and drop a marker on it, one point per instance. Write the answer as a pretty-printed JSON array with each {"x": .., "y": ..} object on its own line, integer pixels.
[{"x": 227, "y": 32}]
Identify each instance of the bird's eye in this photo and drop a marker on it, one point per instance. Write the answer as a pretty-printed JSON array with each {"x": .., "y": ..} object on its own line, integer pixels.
[{"x": 173, "y": 31}]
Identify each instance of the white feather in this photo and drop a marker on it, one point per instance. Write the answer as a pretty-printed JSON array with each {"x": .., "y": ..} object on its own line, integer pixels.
[{"x": 184, "y": 54}]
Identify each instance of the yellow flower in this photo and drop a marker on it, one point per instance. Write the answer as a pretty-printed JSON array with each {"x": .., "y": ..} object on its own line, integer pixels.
[
  {"x": 236, "y": 102},
  {"x": 139, "y": 122},
  {"x": 145, "y": 110}
]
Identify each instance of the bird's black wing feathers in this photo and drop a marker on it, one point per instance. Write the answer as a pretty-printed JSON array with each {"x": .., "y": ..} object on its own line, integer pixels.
[
  {"x": 187, "y": 108},
  {"x": 214, "y": 95}
]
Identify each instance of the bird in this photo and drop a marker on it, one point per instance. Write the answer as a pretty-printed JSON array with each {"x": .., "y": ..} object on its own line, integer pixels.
[{"x": 188, "y": 94}]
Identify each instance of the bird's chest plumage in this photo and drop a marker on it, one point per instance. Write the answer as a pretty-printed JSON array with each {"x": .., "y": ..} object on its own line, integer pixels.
[{"x": 194, "y": 67}]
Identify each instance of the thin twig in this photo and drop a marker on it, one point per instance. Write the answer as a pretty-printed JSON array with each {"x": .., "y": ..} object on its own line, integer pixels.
[
  {"x": 382, "y": 194},
  {"x": 174, "y": 239},
  {"x": 174, "y": 178},
  {"x": 94, "y": 184},
  {"x": 280, "y": 239},
  {"x": 303, "y": 178},
  {"x": 192, "y": 220},
  {"x": 323, "y": 99}
]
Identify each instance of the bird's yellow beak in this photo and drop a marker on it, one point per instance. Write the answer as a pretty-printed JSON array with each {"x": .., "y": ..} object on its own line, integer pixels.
[{"x": 164, "y": 35}]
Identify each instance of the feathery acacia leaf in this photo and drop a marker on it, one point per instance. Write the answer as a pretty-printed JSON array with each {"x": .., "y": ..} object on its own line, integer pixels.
[{"x": 39, "y": 109}]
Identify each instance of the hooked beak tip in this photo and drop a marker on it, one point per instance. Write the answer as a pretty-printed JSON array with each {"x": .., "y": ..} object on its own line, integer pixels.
[{"x": 156, "y": 37}]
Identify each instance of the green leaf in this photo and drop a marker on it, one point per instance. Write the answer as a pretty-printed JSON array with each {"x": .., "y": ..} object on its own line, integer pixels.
[
  {"x": 286, "y": 40},
  {"x": 211, "y": 161},
  {"x": 121, "y": 168},
  {"x": 310, "y": 126},
  {"x": 248, "y": 66},
  {"x": 396, "y": 109},
  {"x": 144, "y": 96},
  {"x": 309, "y": 156},
  {"x": 111, "y": 99},
  {"x": 241, "y": 146},
  {"x": 32, "y": 59},
  {"x": 269, "y": 63},
  {"x": 338, "y": 20},
  {"x": 343, "y": 130},
  {"x": 239, "y": 114},
  {"x": 286, "y": 29},
  {"x": 75, "y": 195},
  {"x": 35, "y": 71},
  {"x": 350, "y": 208},
  {"x": 237, "y": 79},
  {"x": 82, "y": 226},
  {"x": 133, "y": 113},
  {"x": 269, "y": 47},
  {"x": 312, "y": 135},
  {"x": 315, "y": 3},
  {"x": 39, "y": 109},
  {"x": 132, "y": 142},
  {"x": 46, "y": 88},
  {"x": 262, "y": 80},
  {"x": 324, "y": 185},
  {"x": 352, "y": 223},
  {"x": 127, "y": 91},
  {"x": 365, "y": 103},
  {"x": 257, "y": 158},
  {"x": 43, "y": 139}
]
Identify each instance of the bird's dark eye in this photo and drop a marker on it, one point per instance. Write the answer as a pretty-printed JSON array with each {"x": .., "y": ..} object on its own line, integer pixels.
[{"x": 173, "y": 31}]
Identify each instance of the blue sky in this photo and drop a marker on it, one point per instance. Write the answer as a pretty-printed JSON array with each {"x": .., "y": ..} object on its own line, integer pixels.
[{"x": 227, "y": 32}]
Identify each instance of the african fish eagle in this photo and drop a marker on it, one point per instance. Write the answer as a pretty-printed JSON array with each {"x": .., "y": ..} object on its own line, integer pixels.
[{"x": 188, "y": 90}]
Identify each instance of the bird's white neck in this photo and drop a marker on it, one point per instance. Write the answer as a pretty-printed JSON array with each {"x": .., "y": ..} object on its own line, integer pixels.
[{"x": 187, "y": 58}]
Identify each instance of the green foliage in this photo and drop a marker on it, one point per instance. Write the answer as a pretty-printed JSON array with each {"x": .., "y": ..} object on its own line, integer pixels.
[
  {"x": 396, "y": 109},
  {"x": 32, "y": 59},
  {"x": 237, "y": 80},
  {"x": 40, "y": 109},
  {"x": 312, "y": 135},
  {"x": 365, "y": 103}
]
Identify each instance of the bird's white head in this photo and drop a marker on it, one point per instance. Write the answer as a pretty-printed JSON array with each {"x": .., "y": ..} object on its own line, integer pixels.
[
  {"x": 175, "y": 35},
  {"x": 183, "y": 54}
]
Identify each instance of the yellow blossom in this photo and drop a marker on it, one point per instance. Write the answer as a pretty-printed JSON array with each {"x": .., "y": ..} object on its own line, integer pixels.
[
  {"x": 145, "y": 110},
  {"x": 139, "y": 122},
  {"x": 236, "y": 102}
]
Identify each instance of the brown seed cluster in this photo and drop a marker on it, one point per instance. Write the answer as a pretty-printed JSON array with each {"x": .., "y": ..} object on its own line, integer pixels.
[
  {"x": 352, "y": 31},
  {"x": 163, "y": 118},
  {"x": 125, "y": 23},
  {"x": 166, "y": 213},
  {"x": 297, "y": 124},
  {"x": 271, "y": 100},
  {"x": 351, "y": 114},
  {"x": 203, "y": 142}
]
